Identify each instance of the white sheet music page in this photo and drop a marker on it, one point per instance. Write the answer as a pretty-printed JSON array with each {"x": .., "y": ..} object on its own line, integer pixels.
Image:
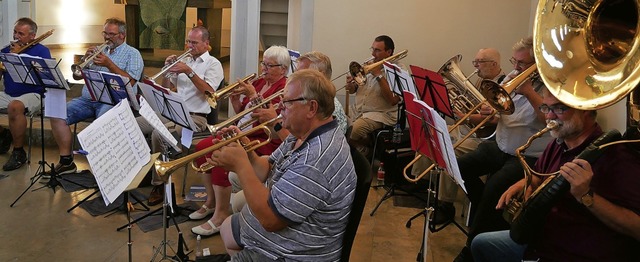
[
  {"x": 116, "y": 150},
  {"x": 399, "y": 79},
  {"x": 445, "y": 144},
  {"x": 152, "y": 118}
]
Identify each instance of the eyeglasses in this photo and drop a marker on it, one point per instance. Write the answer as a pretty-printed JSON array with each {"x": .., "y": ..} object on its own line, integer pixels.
[
  {"x": 375, "y": 50},
  {"x": 520, "y": 63},
  {"x": 558, "y": 110},
  {"x": 109, "y": 35},
  {"x": 283, "y": 103},
  {"x": 476, "y": 62},
  {"x": 269, "y": 66}
]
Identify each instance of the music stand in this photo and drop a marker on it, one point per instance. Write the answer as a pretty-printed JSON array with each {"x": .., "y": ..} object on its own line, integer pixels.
[
  {"x": 432, "y": 90},
  {"x": 109, "y": 88},
  {"x": 45, "y": 73}
]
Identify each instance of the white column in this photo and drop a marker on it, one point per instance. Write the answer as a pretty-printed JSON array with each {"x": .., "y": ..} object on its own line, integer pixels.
[
  {"x": 245, "y": 39},
  {"x": 300, "y": 25},
  {"x": 7, "y": 18}
]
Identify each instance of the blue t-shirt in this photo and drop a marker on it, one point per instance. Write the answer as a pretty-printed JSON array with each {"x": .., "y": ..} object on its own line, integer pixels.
[{"x": 17, "y": 89}]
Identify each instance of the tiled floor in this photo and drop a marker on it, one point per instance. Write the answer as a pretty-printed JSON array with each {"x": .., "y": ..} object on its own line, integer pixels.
[{"x": 38, "y": 227}]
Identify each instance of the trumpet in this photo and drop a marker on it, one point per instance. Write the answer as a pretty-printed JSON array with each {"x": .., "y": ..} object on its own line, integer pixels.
[
  {"x": 77, "y": 68},
  {"x": 18, "y": 49},
  {"x": 213, "y": 98},
  {"x": 166, "y": 168},
  {"x": 359, "y": 72},
  {"x": 214, "y": 128},
  {"x": 180, "y": 58}
]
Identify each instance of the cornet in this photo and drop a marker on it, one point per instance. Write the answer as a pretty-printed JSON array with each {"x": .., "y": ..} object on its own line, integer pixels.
[
  {"x": 180, "y": 58},
  {"x": 164, "y": 169},
  {"x": 77, "y": 68},
  {"x": 213, "y": 98}
]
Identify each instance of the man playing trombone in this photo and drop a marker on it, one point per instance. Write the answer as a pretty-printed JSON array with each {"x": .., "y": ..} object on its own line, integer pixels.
[
  {"x": 19, "y": 98},
  {"x": 118, "y": 58},
  {"x": 191, "y": 78},
  {"x": 302, "y": 212},
  {"x": 375, "y": 105}
]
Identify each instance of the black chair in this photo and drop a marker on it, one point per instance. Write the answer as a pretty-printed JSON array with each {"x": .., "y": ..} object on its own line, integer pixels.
[{"x": 363, "y": 171}]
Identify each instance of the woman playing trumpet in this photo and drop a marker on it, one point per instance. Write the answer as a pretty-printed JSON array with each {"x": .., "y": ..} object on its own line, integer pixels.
[{"x": 275, "y": 65}]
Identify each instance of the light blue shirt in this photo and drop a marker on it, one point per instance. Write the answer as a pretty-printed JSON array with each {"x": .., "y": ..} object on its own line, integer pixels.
[{"x": 126, "y": 58}]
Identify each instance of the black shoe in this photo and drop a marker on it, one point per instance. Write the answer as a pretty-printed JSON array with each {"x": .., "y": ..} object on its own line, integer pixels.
[
  {"x": 445, "y": 213},
  {"x": 5, "y": 143},
  {"x": 464, "y": 256},
  {"x": 156, "y": 195},
  {"x": 61, "y": 169},
  {"x": 16, "y": 160}
]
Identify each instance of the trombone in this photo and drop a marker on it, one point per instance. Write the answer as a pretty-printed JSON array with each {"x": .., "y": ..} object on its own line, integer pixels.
[
  {"x": 213, "y": 98},
  {"x": 77, "y": 68},
  {"x": 166, "y": 168},
  {"x": 359, "y": 72},
  {"x": 215, "y": 128},
  {"x": 180, "y": 58}
]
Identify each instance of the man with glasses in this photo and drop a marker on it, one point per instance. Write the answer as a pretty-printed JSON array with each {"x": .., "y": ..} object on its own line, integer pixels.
[
  {"x": 190, "y": 78},
  {"x": 597, "y": 219},
  {"x": 274, "y": 66},
  {"x": 375, "y": 105},
  {"x": 118, "y": 58},
  {"x": 497, "y": 159},
  {"x": 19, "y": 98},
  {"x": 487, "y": 63},
  {"x": 302, "y": 213}
]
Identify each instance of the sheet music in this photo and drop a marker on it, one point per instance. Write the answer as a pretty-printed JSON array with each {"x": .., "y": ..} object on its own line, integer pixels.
[
  {"x": 16, "y": 69},
  {"x": 406, "y": 81},
  {"x": 117, "y": 150},
  {"x": 167, "y": 103},
  {"x": 445, "y": 144},
  {"x": 148, "y": 114},
  {"x": 110, "y": 88},
  {"x": 55, "y": 103}
]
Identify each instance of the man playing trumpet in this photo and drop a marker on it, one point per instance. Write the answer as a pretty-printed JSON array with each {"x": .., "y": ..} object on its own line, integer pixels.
[
  {"x": 118, "y": 58},
  {"x": 191, "y": 79},
  {"x": 19, "y": 98}
]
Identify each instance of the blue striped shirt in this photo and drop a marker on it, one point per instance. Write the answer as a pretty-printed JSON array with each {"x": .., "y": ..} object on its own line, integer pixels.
[
  {"x": 126, "y": 58},
  {"x": 312, "y": 188}
]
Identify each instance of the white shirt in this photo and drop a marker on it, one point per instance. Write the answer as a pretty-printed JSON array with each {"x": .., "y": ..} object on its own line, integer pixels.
[{"x": 209, "y": 69}]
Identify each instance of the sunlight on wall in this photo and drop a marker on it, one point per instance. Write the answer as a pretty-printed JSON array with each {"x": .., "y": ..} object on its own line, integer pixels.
[{"x": 71, "y": 21}]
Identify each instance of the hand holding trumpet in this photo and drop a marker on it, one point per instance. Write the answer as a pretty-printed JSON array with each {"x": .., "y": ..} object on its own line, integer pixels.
[{"x": 233, "y": 155}]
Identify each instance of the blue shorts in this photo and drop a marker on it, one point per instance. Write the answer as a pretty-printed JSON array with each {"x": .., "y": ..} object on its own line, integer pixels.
[{"x": 235, "y": 229}]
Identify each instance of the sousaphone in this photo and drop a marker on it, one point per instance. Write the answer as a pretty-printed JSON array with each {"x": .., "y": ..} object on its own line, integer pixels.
[{"x": 587, "y": 55}]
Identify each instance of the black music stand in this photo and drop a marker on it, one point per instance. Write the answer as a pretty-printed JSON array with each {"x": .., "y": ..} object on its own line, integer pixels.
[{"x": 42, "y": 72}]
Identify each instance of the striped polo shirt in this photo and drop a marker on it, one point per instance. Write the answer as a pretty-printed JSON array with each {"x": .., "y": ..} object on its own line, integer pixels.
[{"x": 311, "y": 188}]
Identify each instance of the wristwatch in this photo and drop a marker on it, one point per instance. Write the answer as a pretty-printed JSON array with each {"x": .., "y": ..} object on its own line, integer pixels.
[
  {"x": 378, "y": 78},
  {"x": 190, "y": 75},
  {"x": 277, "y": 127},
  {"x": 587, "y": 199}
]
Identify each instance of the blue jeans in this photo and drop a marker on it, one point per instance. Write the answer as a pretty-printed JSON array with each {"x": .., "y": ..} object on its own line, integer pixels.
[
  {"x": 496, "y": 246},
  {"x": 81, "y": 108}
]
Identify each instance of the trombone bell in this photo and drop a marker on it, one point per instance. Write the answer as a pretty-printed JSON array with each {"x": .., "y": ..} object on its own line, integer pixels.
[{"x": 359, "y": 73}]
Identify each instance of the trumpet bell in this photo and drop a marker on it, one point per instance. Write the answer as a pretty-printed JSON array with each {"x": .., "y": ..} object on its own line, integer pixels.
[
  {"x": 587, "y": 51},
  {"x": 497, "y": 97}
]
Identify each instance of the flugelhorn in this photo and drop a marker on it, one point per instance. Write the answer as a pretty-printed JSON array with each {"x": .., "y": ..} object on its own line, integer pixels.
[
  {"x": 213, "y": 98},
  {"x": 166, "y": 168},
  {"x": 86, "y": 61},
  {"x": 359, "y": 72},
  {"x": 232, "y": 120},
  {"x": 18, "y": 49},
  {"x": 178, "y": 59}
]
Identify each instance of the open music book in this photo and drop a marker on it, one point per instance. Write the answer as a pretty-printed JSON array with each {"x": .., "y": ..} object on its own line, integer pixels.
[
  {"x": 110, "y": 88},
  {"x": 116, "y": 148}
]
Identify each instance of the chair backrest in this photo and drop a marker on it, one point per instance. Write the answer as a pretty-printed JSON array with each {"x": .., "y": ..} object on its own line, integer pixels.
[
  {"x": 212, "y": 117},
  {"x": 364, "y": 173}
]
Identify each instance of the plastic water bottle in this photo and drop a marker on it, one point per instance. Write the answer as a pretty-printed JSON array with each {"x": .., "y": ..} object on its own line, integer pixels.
[
  {"x": 198, "y": 250},
  {"x": 397, "y": 134},
  {"x": 380, "y": 175}
]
